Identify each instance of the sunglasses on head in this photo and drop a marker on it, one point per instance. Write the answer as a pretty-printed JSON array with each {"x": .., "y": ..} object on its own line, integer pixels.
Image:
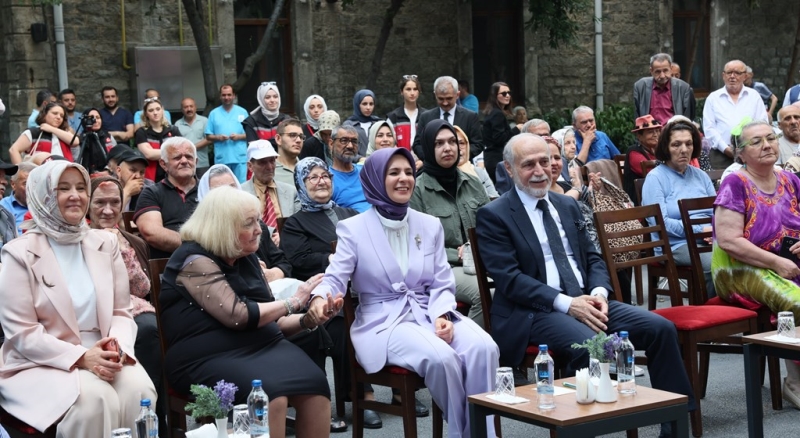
[
  {"x": 409, "y": 77},
  {"x": 269, "y": 83},
  {"x": 151, "y": 99}
]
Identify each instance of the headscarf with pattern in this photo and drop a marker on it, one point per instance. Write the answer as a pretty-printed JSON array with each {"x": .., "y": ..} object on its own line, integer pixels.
[
  {"x": 301, "y": 171},
  {"x": 42, "y": 196}
]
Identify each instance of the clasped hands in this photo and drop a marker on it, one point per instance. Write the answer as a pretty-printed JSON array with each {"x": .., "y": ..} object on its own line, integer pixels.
[
  {"x": 322, "y": 309},
  {"x": 590, "y": 310},
  {"x": 104, "y": 359}
]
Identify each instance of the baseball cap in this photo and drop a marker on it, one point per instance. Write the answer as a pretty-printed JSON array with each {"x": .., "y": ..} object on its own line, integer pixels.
[
  {"x": 117, "y": 151},
  {"x": 260, "y": 149},
  {"x": 8, "y": 167},
  {"x": 130, "y": 156}
]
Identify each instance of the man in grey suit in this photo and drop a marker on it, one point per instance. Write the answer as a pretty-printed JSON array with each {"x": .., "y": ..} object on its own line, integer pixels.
[
  {"x": 445, "y": 88},
  {"x": 661, "y": 95},
  {"x": 279, "y": 199}
]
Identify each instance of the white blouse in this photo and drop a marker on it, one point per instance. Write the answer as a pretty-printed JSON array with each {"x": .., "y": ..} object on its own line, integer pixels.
[
  {"x": 397, "y": 234},
  {"x": 81, "y": 289}
]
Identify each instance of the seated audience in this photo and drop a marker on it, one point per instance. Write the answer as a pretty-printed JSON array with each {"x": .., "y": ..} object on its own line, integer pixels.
[
  {"x": 406, "y": 316},
  {"x": 678, "y": 145},
  {"x": 66, "y": 316},
  {"x": 317, "y": 144},
  {"x": 163, "y": 207},
  {"x": 647, "y": 131},
  {"x": 347, "y": 191},
  {"x": 52, "y": 134},
  {"x": 453, "y": 197},
  {"x": 590, "y": 143},
  {"x": 130, "y": 169},
  {"x": 230, "y": 327},
  {"x": 17, "y": 202},
  {"x": 756, "y": 208},
  {"x": 551, "y": 284}
]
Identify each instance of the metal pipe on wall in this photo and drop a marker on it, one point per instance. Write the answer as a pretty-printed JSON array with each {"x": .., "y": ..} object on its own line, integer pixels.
[
  {"x": 124, "y": 42},
  {"x": 598, "y": 53},
  {"x": 61, "y": 50}
]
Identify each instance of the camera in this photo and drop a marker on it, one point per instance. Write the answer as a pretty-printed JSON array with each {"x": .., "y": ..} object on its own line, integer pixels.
[{"x": 88, "y": 121}]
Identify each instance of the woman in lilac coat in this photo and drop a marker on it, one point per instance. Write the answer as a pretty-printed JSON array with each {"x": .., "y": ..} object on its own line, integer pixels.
[{"x": 396, "y": 260}]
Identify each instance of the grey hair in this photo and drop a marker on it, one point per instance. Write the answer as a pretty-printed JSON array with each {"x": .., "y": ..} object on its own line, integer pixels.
[
  {"x": 439, "y": 85},
  {"x": 580, "y": 109},
  {"x": 508, "y": 151},
  {"x": 24, "y": 167},
  {"x": 346, "y": 128},
  {"x": 173, "y": 142},
  {"x": 737, "y": 140},
  {"x": 532, "y": 123},
  {"x": 658, "y": 57},
  {"x": 748, "y": 69}
]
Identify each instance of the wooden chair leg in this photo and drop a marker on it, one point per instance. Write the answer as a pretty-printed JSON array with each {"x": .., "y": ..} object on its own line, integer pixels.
[
  {"x": 409, "y": 411},
  {"x": 774, "y": 368},
  {"x": 705, "y": 358},
  {"x": 637, "y": 271},
  {"x": 498, "y": 428},
  {"x": 438, "y": 421},
  {"x": 652, "y": 296},
  {"x": 632, "y": 433},
  {"x": 339, "y": 390},
  {"x": 356, "y": 395},
  {"x": 689, "y": 350}
]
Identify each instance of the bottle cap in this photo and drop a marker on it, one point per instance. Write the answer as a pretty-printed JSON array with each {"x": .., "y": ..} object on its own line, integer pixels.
[
  {"x": 145, "y": 402},
  {"x": 542, "y": 348},
  {"x": 623, "y": 334},
  {"x": 256, "y": 382}
]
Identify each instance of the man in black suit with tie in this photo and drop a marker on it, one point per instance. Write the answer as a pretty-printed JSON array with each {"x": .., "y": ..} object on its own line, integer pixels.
[
  {"x": 445, "y": 88},
  {"x": 551, "y": 283}
]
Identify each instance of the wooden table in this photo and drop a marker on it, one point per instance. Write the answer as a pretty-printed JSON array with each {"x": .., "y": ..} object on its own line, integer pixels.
[
  {"x": 756, "y": 346},
  {"x": 570, "y": 419}
]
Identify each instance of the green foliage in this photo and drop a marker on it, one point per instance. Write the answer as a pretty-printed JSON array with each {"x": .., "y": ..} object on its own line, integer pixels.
[
  {"x": 206, "y": 403},
  {"x": 557, "y": 17},
  {"x": 615, "y": 120}
]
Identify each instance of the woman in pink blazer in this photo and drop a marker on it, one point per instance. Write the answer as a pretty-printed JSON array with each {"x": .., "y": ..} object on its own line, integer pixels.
[
  {"x": 396, "y": 261},
  {"x": 68, "y": 354}
]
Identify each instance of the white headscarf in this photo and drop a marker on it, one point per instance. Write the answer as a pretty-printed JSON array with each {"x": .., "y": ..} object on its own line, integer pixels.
[
  {"x": 42, "y": 197},
  {"x": 311, "y": 121},
  {"x": 262, "y": 92},
  {"x": 203, "y": 187}
]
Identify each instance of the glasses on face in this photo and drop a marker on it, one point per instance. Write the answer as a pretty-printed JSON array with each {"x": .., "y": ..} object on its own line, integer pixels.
[
  {"x": 344, "y": 140},
  {"x": 409, "y": 77},
  {"x": 314, "y": 179},
  {"x": 268, "y": 83},
  {"x": 505, "y": 93},
  {"x": 151, "y": 99},
  {"x": 758, "y": 142},
  {"x": 294, "y": 135},
  {"x": 440, "y": 143},
  {"x": 733, "y": 73}
]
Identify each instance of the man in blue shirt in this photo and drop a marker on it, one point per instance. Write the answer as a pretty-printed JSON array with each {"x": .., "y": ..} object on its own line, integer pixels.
[
  {"x": 225, "y": 129},
  {"x": 42, "y": 98},
  {"x": 598, "y": 145},
  {"x": 347, "y": 189},
  {"x": 17, "y": 203},
  {"x": 67, "y": 98},
  {"x": 117, "y": 121},
  {"x": 468, "y": 101}
]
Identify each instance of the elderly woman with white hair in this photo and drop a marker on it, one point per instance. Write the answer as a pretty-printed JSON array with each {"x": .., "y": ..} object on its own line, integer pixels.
[
  {"x": 68, "y": 359},
  {"x": 262, "y": 124},
  {"x": 221, "y": 321}
]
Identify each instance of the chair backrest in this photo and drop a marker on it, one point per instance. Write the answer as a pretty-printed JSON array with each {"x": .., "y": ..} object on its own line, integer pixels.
[
  {"x": 157, "y": 267},
  {"x": 485, "y": 284},
  {"x": 609, "y": 169},
  {"x": 647, "y": 246},
  {"x": 687, "y": 206},
  {"x": 648, "y": 165},
  {"x": 281, "y": 221},
  {"x": 620, "y": 160},
  {"x": 128, "y": 223},
  {"x": 639, "y": 183},
  {"x": 349, "y": 309}
]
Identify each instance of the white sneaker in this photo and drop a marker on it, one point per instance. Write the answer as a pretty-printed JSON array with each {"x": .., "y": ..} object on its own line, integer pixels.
[{"x": 637, "y": 371}]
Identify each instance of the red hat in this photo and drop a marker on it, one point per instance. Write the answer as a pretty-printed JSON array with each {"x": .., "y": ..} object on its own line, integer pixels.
[{"x": 646, "y": 122}]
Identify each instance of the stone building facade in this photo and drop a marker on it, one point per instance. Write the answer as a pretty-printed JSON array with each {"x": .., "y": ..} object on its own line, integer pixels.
[{"x": 330, "y": 49}]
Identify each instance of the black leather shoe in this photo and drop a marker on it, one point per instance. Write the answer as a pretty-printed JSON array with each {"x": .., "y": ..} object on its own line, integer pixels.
[
  {"x": 372, "y": 420},
  {"x": 520, "y": 379},
  {"x": 420, "y": 409}
]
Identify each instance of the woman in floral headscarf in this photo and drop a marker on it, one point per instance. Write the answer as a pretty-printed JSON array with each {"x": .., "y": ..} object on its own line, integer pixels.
[
  {"x": 66, "y": 314},
  {"x": 263, "y": 121}
]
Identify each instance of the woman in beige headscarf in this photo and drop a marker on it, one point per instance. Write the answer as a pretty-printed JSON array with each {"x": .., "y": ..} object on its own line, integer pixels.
[
  {"x": 466, "y": 166},
  {"x": 68, "y": 353}
]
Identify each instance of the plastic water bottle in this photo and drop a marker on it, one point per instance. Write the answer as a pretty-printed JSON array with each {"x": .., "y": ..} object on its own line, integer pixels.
[
  {"x": 543, "y": 365},
  {"x": 258, "y": 407},
  {"x": 626, "y": 373},
  {"x": 147, "y": 421}
]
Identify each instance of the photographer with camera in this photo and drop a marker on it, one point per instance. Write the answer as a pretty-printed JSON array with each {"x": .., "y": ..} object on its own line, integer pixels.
[{"x": 95, "y": 142}]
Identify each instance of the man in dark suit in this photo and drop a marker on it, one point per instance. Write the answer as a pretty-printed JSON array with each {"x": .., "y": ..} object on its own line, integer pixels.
[
  {"x": 445, "y": 88},
  {"x": 662, "y": 95},
  {"x": 554, "y": 291}
]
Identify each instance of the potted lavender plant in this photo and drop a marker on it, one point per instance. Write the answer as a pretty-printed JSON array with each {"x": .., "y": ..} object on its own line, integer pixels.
[
  {"x": 213, "y": 403},
  {"x": 603, "y": 348}
]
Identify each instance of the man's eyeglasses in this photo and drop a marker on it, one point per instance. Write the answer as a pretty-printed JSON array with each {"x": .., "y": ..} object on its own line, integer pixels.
[
  {"x": 294, "y": 135},
  {"x": 344, "y": 140},
  {"x": 505, "y": 93},
  {"x": 733, "y": 73},
  {"x": 758, "y": 142},
  {"x": 314, "y": 179},
  {"x": 409, "y": 77},
  {"x": 449, "y": 142}
]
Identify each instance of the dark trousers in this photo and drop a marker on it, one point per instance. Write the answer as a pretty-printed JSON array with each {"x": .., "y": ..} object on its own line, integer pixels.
[{"x": 649, "y": 332}]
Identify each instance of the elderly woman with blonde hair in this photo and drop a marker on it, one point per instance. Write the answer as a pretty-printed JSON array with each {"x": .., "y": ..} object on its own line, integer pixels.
[
  {"x": 221, "y": 321},
  {"x": 466, "y": 166}
]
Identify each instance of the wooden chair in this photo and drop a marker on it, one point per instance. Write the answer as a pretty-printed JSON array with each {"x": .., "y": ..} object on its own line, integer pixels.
[
  {"x": 620, "y": 160},
  {"x": 280, "y": 221},
  {"x": 731, "y": 344},
  {"x": 647, "y": 166},
  {"x": 18, "y": 429},
  {"x": 128, "y": 223},
  {"x": 402, "y": 379},
  {"x": 176, "y": 403},
  {"x": 695, "y": 324},
  {"x": 639, "y": 183}
]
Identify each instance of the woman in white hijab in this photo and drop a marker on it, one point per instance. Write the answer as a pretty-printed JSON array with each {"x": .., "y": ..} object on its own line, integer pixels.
[
  {"x": 314, "y": 107},
  {"x": 263, "y": 121},
  {"x": 69, "y": 348}
]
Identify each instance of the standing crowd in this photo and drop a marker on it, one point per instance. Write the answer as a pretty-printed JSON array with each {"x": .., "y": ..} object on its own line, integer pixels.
[{"x": 253, "y": 288}]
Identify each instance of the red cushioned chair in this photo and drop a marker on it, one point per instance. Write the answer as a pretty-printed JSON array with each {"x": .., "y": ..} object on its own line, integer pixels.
[
  {"x": 731, "y": 344},
  {"x": 695, "y": 324},
  {"x": 18, "y": 429},
  {"x": 176, "y": 403}
]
